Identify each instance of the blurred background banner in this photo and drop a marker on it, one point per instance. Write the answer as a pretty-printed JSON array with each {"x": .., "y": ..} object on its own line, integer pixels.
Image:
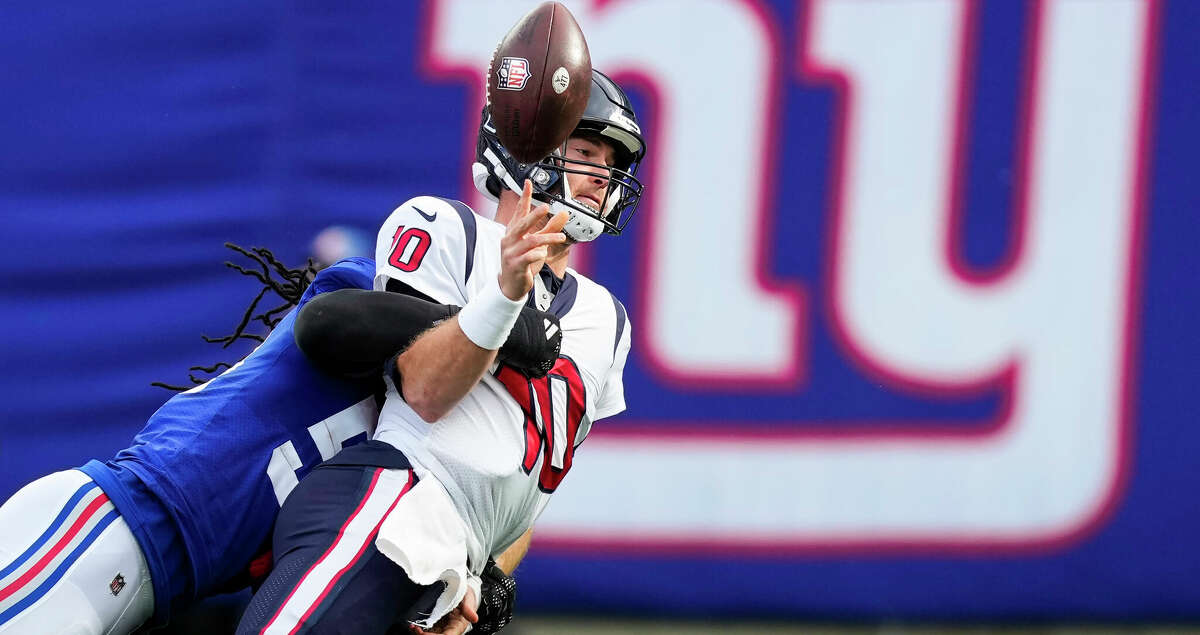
[{"x": 913, "y": 288}]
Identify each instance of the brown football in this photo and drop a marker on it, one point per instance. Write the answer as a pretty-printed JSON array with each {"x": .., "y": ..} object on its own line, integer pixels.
[{"x": 538, "y": 82}]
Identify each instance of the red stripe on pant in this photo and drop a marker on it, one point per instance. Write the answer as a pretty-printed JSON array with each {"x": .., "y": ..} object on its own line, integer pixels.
[
  {"x": 358, "y": 554},
  {"x": 62, "y": 543}
]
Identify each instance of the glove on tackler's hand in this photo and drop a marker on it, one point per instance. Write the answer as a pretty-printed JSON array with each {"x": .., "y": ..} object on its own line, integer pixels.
[
  {"x": 533, "y": 344},
  {"x": 498, "y": 595}
]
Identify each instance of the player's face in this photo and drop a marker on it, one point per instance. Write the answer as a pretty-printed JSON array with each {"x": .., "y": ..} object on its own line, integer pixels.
[{"x": 589, "y": 188}]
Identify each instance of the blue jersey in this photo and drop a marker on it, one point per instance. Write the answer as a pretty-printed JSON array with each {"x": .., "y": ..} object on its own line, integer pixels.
[{"x": 204, "y": 479}]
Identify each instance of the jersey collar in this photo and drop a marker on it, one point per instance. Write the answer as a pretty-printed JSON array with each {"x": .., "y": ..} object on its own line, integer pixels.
[{"x": 564, "y": 290}]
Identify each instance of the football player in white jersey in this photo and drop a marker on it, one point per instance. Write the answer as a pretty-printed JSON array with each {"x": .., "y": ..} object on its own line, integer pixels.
[{"x": 467, "y": 451}]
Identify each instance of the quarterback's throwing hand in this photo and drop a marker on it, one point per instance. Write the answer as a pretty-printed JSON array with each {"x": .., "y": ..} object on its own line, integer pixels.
[{"x": 526, "y": 244}]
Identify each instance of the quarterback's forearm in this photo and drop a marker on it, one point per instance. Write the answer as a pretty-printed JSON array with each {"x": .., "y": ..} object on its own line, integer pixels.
[
  {"x": 440, "y": 367},
  {"x": 512, "y": 556},
  {"x": 445, "y": 363}
]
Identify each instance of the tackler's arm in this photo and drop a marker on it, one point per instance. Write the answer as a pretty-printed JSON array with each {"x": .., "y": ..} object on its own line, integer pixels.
[{"x": 352, "y": 332}]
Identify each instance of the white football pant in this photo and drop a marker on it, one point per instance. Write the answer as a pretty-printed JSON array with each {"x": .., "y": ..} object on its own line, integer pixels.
[{"x": 68, "y": 562}]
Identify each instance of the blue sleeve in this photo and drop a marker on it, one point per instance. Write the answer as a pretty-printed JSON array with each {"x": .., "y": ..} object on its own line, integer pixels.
[{"x": 350, "y": 273}]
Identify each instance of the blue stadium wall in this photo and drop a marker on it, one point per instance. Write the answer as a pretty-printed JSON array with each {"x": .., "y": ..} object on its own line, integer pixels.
[{"x": 913, "y": 287}]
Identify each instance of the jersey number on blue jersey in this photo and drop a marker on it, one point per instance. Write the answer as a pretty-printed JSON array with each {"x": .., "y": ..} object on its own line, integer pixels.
[
  {"x": 554, "y": 408},
  {"x": 330, "y": 435}
]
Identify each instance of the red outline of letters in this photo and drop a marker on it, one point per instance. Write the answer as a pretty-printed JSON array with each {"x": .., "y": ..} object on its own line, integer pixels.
[{"x": 749, "y": 434}]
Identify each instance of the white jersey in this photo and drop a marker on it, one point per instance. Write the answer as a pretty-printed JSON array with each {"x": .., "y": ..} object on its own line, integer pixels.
[{"x": 505, "y": 447}]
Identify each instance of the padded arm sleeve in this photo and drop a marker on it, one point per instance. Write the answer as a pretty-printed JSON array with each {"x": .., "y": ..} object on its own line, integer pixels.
[{"x": 352, "y": 332}]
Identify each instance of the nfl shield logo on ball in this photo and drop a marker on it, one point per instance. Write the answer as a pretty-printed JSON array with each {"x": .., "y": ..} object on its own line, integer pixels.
[{"x": 513, "y": 73}]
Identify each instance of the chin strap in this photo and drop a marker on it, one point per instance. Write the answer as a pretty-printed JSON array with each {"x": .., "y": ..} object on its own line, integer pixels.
[{"x": 580, "y": 227}]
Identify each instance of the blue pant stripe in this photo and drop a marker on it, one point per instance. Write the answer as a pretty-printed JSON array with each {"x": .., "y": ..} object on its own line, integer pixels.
[
  {"x": 49, "y": 582},
  {"x": 58, "y": 521}
]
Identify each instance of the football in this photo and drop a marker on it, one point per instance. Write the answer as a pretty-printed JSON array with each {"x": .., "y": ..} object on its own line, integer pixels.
[{"x": 538, "y": 82}]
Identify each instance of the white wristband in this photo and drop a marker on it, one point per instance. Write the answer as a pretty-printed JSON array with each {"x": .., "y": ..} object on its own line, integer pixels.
[{"x": 488, "y": 317}]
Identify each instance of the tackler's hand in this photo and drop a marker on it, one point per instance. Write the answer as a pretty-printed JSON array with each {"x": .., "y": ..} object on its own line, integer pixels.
[
  {"x": 498, "y": 593},
  {"x": 526, "y": 242}
]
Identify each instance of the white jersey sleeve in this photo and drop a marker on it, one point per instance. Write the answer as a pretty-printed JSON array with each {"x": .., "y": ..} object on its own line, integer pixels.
[
  {"x": 596, "y": 337},
  {"x": 612, "y": 396},
  {"x": 428, "y": 243}
]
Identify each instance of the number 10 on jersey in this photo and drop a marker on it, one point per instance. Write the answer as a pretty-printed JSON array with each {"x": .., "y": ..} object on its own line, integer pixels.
[{"x": 554, "y": 408}]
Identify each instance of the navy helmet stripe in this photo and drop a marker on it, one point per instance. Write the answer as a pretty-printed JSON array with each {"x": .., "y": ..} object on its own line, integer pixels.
[{"x": 468, "y": 221}]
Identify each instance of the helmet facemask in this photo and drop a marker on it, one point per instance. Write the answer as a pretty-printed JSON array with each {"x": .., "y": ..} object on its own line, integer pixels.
[{"x": 616, "y": 206}]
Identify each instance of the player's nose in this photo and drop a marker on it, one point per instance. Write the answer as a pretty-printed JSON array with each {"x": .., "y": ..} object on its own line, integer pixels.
[{"x": 598, "y": 176}]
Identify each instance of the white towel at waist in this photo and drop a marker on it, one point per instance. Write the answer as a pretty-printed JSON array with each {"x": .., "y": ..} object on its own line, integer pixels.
[{"x": 428, "y": 539}]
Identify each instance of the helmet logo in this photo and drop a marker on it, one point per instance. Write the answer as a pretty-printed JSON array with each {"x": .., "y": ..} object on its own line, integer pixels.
[
  {"x": 560, "y": 80},
  {"x": 620, "y": 117},
  {"x": 513, "y": 73}
]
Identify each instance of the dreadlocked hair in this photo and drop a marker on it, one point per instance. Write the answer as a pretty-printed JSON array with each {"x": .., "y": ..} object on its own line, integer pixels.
[{"x": 288, "y": 284}]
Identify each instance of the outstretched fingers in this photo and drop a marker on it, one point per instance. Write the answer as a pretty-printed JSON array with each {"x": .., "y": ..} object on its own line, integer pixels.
[
  {"x": 526, "y": 243},
  {"x": 556, "y": 222},
  {"x": 525, "y": 217},
  {"x": 535, "y": 244},
  {"x": 526, "y": 197},
  {"x": 533, "y": 220}
]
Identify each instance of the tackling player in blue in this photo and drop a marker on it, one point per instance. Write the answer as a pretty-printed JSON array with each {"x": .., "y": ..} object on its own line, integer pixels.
[{"x": 182, "y": 512}]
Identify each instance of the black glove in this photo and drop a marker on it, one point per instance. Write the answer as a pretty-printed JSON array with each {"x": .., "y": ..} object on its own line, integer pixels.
[
  {"x": 498, "y": 595},
  {"x": 533, "y": 344}
]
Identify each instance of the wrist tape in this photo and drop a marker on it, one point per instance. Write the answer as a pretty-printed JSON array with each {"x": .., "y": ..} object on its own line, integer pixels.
[{"x": 488, "y": 317}]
